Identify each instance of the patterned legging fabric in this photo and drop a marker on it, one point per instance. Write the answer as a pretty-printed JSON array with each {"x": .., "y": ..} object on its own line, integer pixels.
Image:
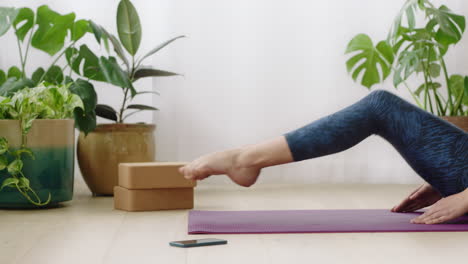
[{"x": 434, "y": 148}]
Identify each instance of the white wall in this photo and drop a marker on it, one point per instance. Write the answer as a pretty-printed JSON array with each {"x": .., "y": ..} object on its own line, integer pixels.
[
  {"x": 253, "y": 69},
  {"x": 257, "y": 69}
]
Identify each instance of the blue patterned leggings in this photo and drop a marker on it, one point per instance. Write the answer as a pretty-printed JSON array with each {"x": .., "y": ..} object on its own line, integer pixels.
[{"x": 434, "y": 148}]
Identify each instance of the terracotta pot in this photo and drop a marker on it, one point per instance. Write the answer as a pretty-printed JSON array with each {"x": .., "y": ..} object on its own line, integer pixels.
[
  {"x": 459, "y": 121},
  {"x": 101, "y": 151},
  {"x": 51, "y": 171}
]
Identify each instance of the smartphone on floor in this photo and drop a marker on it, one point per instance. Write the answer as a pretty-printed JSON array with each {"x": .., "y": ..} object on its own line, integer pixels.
[{"x": 198, "y": 242}]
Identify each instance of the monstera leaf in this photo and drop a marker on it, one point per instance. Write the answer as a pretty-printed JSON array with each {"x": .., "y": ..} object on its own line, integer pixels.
[
  {"x": 450, "y": 26},
  {"x": 25, "y": 19},
  {"x": 7, "y": 16},
  {"x": 368, "y": 60},
  {"x": 52, "y": 30},
  {"x": 458, "y": 86},
  {"x": 408, "y": 10}
]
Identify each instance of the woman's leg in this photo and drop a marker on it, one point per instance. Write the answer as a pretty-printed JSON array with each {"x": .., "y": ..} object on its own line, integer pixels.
[{"x": 435, "y": 149}]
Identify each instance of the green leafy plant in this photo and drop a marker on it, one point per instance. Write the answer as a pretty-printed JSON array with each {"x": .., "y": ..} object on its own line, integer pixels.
[
  {"x": 125, "y": 70},
  {"x": 52, "y": 33},
  {"x": 43, "y": 102},
  {"x": 411, "y": 49}
]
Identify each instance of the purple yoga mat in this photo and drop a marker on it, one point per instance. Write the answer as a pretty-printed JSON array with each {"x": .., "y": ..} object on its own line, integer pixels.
[{"x": 312, "y": 221}]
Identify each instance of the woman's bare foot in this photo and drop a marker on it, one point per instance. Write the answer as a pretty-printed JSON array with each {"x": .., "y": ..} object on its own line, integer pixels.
[
  {"x": 226, "y": 162},
  {"x": 422, "y": 197},
  {"x": 242, "y": 165}
]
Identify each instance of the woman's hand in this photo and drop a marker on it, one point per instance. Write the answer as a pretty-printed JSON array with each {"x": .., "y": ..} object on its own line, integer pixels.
[
  {"x": 422, "y": 197},
  {"x": 445, "y": 209}
]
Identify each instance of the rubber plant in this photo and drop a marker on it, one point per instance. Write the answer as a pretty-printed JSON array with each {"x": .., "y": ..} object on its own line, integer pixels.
[
  {"x": 124, "y": 71},
  {"x": 26, "y": 105},
  {"x": 52, "y": 33},
  {"x": 410, "y": 49}
]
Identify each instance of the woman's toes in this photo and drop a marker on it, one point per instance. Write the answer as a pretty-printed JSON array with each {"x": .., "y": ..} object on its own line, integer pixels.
[
  {"x": 199, "y": 173},
  {"x": 181, "y": 170}
]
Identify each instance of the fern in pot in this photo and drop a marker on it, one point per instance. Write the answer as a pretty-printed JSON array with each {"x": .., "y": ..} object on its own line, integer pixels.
[
  {"x": 100, "y": 152},
  {"x": 39, "y": 110},
  {"x": 416, "y": 51}
]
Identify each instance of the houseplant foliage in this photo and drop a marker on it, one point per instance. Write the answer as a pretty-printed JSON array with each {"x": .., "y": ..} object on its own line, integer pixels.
[
  {"x": 102, "y": 150},
  {"x": 27, "y": 105},
  {"x": 124, "y": 70},
  {"x": 47, "y": 93},
  {"x": 52, "y": 33},
  {"x": 412, "y": 49}
]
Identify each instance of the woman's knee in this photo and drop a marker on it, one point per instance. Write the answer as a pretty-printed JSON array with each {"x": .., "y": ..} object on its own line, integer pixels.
[
  {"x": 380, "y": 100},
  {"x": 381, "y": 95}
]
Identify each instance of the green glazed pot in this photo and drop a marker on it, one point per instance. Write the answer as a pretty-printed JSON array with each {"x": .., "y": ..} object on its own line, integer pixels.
[{"x": 52, "y": 169}]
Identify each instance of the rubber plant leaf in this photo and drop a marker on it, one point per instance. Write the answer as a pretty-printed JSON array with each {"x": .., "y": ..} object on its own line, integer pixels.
[
  {"x": 115, "y": 75},
  {"x": 150, "y": 72},
  {"x": 128, "y": 26},
  {"x": 159, "y": 47},
  {"x": 142, "y": 107},
  {"x": 106, "y": 111}
]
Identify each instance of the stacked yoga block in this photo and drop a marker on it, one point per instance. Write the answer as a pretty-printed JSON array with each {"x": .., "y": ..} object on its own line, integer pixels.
[{"x": 152, "y": 186}]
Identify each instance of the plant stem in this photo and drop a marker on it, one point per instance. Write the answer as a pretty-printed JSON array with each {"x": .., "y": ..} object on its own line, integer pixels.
[
  {"x": 122, "y": 109},
  {"x": 449, "y": 87},
  {"x": 28, "y": 46},
  {"x": 21, "y": 57},
  {"x": 426, "y": 87},
  {"x": 413, "y": 95},
  {"x": 130, "y": 77},
  {"x": 55, "y": 61}
]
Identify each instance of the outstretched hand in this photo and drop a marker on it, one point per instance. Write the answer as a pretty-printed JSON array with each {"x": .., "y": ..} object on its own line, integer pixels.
[
  {"x": 445, "y": 209},
  {"x": 422, "y": 197}
]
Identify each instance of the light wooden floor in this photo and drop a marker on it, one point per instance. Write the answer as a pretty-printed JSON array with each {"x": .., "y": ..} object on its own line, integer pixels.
[{"x": 88, "y": 230}]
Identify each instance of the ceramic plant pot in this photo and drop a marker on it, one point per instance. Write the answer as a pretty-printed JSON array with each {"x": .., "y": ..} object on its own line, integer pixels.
[
  {"x": 459, "y": 121},
  {"x": 51, "y": 170},
  {"x": 101, "y": 151}
]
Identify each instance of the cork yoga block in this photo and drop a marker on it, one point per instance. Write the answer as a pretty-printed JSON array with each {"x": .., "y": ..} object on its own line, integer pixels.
[
  {"x": 153, "y": 199},
  {"x": 153, "y": 175}
]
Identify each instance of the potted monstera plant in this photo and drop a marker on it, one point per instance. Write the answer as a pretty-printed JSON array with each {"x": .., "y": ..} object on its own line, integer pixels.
[
  {"x": 39, "y": 110},
  {"x": 416, "y": 48},
  {"x": 100, "y": 152}
]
